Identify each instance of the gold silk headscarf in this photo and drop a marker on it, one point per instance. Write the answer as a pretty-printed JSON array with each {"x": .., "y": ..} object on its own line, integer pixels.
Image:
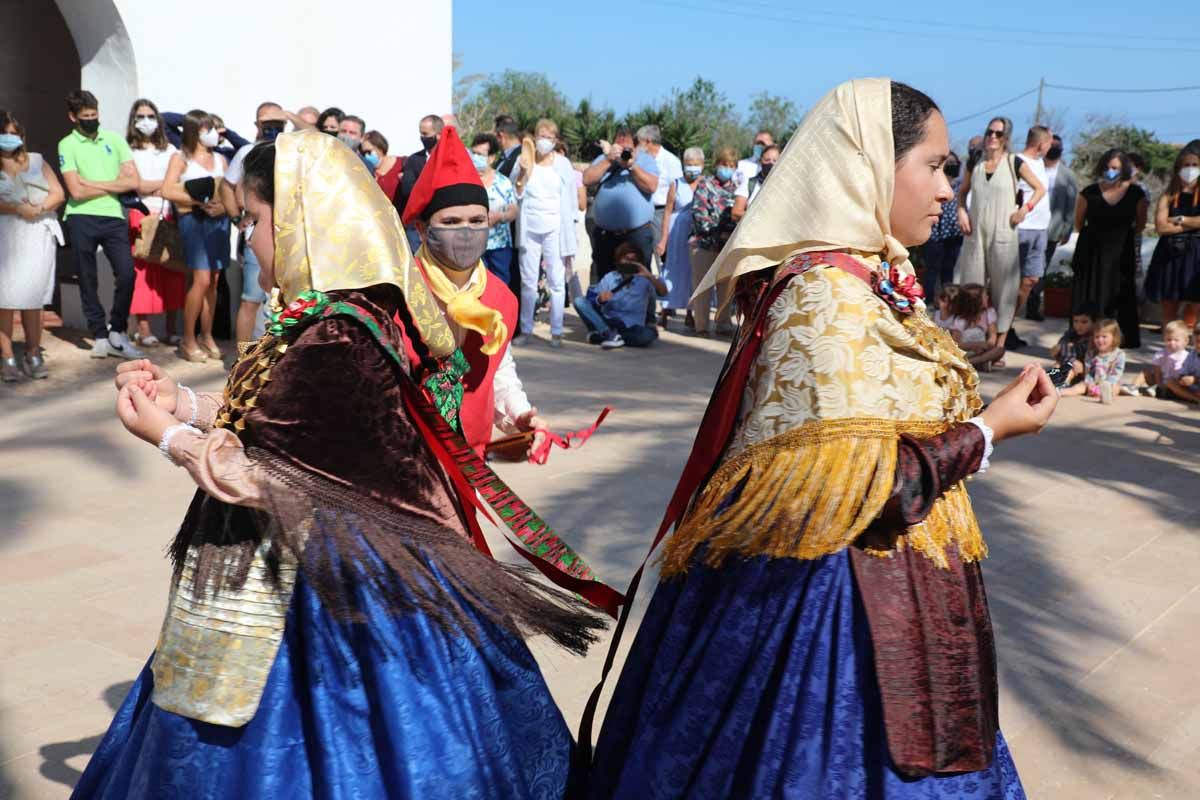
[
  {"x": 831, "y": 189},
  {"x": 335, "y": 229}
]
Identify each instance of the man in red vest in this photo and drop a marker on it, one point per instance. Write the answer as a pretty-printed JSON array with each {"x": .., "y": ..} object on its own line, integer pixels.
[{"x": 449, "y": 207}]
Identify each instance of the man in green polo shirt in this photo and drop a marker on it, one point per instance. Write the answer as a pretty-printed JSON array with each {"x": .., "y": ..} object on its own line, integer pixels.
[{"x": 97, "y": 165}]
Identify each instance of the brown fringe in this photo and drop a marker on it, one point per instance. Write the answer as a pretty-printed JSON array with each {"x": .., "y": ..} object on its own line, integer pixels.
[
  {"x": 813, "y": 491},
  {"x": 345, "y": 542}
]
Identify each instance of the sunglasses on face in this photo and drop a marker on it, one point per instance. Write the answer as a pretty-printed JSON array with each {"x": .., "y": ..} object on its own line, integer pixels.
[
  {"x": 997, "y": 134},
  {"x": 145, "y": 116}
]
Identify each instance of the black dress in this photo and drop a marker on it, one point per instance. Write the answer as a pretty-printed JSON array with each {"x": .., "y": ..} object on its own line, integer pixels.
[
  {"x": 1104, "y": 266},
  {"x": 1174, "y": 272}
]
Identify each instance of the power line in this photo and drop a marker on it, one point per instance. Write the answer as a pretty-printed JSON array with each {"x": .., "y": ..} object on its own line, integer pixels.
[
  {"x": 1010, "y": 101},
  {"x": 958, "y": 26},
  {"x": 892, "y": 32},
  {"x": 1123, "y": 91}
]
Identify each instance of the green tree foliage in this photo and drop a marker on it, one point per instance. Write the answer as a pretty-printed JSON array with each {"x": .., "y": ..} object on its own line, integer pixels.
[
  {"x": 1102, "y": 133},
  {"x": 700, "y": 115},
  {"x": 527, "y": 96},
  {"x": 771, "y": 112}
]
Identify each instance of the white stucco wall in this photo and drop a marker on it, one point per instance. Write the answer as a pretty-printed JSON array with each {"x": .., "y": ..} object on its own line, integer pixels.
[{"x": 388, "y": 61}]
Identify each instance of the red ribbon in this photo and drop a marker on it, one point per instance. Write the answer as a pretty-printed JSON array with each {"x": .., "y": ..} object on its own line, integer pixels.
[{"x": 541, "y": 454}]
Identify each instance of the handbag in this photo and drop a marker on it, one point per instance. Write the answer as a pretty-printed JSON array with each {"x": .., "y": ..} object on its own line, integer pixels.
[{"x": 158, "y": 242}]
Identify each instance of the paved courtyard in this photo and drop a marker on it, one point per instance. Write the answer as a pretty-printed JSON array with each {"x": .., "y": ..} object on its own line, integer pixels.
[{"x": 1094, "y": 574}]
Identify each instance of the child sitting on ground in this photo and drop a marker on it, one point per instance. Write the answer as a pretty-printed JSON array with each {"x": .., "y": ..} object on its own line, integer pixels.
[
  {"x": 945, "y": 301},
  {"x": 1073, "y": 351},
  {"x": 973, "y": 326},
  {"x": 1105, "y": 366},
  {"x": 1167, "y": 365},
  {"x": 1186, "y": 384}
]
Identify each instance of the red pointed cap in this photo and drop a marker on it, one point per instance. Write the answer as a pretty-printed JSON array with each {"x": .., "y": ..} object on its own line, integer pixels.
[{"x": 448, "y": 179}]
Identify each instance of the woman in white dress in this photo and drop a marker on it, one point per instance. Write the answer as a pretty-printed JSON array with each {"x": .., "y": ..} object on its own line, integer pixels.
[
  {"x": 29, "y": 232},
  {"x": 546, "y": 228}
]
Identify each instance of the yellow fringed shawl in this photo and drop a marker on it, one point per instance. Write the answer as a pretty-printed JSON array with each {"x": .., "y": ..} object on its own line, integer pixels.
[{"x": 812, "y": 462}]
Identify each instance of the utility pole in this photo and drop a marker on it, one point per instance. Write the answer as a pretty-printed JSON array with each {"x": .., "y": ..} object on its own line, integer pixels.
[{"x": 1037, "y": 115}]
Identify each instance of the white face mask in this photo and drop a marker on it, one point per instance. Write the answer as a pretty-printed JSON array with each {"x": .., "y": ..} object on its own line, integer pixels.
[
  {"x": 544, "y": 146},
  {"x": 146, "y": 127},
  {"x": 1189, "y": 174},
  {"x": 210, "y": 138}
]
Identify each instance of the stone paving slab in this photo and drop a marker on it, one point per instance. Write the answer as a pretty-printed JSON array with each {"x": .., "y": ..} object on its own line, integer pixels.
[{"x": 1094, "y": 572}]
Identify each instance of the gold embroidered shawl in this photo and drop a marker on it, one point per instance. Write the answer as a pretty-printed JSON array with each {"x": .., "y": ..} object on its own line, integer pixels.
[{"x": 840, "y": 375}]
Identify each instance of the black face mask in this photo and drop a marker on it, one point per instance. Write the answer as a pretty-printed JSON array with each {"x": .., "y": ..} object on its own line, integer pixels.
[
  {"x": 764, "y": 170},
  {"x": 951, "y": 169},
  {"x": 428, "y": 142},
  {"x": 1055, "y": 152},
  {"x": 89, "y": 126}
]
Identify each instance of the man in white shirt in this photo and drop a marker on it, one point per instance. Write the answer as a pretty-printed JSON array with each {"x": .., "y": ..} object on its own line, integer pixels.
[
  {"x": 1031, "y": 231},
  {"x": 670, "y": 169},
  {"x": 748, "y": 167}
]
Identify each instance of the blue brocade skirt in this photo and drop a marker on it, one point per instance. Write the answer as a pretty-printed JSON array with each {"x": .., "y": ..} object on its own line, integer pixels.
[
  {"x": 391, "y": 709},
  {"x": 757, "y": 680}
]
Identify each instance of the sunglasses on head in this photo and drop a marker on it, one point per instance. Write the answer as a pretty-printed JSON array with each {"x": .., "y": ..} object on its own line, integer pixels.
[{"x": 997, "y": 134}]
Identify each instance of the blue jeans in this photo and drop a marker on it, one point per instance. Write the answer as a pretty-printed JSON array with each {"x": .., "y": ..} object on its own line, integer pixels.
[
  {"x": 205, "y": 241},
  {"x": 940, "y": 258},
  {"x": 634, "y": 335},
  {"x": 499, "y": 263},
  {"x": 251, "y": 291}
]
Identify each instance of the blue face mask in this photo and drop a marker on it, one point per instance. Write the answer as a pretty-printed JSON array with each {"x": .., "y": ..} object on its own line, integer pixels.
[
  {"x": 10, "y": 142},
  {"x": 691, "y": 173},
  {"x": 725, "y": 174},
  {"x": 1112, "y": 175},
  {"x": 480, "y": 161},
  {"x": 756, "y": 154},
  {"x": 372, "y": 158}
]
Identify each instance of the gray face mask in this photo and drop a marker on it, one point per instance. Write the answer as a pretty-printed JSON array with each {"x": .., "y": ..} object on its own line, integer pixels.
[{"x": 458, "y": 248}]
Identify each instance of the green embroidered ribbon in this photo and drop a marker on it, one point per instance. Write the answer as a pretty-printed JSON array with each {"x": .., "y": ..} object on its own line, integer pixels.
[
  {"x": 309, "y": 304},
  {"x": 445, "y": 387}
]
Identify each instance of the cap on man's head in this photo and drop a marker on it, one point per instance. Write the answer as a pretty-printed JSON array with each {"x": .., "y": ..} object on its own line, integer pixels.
[{"x": 448, "y": 179}]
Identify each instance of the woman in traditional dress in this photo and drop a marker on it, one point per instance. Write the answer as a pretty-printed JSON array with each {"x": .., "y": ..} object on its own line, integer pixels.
[
  {"x": 820, "y": 628},
  {"x": 331, "y": 631}
]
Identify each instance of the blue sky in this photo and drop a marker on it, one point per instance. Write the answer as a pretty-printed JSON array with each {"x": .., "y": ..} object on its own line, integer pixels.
[{"x": 624, "y": 54}]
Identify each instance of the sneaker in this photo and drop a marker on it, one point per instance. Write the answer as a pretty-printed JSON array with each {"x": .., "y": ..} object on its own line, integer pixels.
[
  {"x": 522, "y": 339},
  {"x": 612, "y": 342},
  {"x": 100, "y": 348},
  {"x": 556, "y": 342},
  {"x": 119, "y": 346},
  {"x": 595, "y": 338},
  {"x": 8, "y": 371},
  {"x": 36, "y": 367}
]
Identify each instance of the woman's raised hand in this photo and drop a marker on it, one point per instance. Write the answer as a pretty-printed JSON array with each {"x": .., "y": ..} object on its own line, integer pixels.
[
  {"x": 140, "y": 415},
  {"x": 1024, "y": 406},
  {"x": 156, "y": 384}
]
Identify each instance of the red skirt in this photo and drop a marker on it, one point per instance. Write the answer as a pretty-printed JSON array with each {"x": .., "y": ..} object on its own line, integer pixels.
[{"x": 156, "y": 289}]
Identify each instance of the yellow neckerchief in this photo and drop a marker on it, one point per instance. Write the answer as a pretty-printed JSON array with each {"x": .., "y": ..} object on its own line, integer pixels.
[{"x": 463, "y": 306}]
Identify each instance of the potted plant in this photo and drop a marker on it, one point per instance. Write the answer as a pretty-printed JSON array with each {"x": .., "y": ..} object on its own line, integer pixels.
[{"x": 1056, "y": 294}]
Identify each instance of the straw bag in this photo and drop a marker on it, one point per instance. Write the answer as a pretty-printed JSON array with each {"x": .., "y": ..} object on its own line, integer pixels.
[{"x": 159, "y": 242}]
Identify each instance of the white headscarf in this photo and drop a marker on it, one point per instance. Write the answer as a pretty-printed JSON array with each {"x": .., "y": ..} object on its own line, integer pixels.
[{"x": 831, "y": 190}]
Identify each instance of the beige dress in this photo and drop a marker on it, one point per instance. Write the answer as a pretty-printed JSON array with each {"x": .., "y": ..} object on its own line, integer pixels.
[{"x": 991, "y": 254}]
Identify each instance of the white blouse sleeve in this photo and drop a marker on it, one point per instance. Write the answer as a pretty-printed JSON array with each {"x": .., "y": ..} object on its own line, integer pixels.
[{"x": 511, "y": 401}]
